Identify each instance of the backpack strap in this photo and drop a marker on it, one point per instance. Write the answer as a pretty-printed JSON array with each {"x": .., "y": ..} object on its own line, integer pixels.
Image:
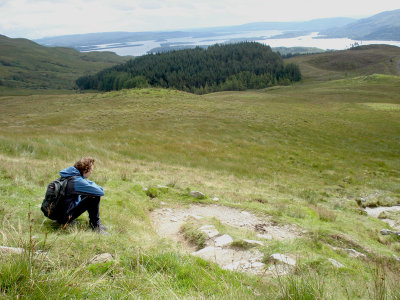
[{"x": 64, "y": 183}]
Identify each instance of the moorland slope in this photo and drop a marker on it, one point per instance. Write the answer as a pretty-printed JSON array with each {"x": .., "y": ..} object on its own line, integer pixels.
[
  {"x": 298, "y": 156},
  {"x": 304, "y": 159},
  {"x": 362, "y": 60},
  {"x": 25, "y": 64}
]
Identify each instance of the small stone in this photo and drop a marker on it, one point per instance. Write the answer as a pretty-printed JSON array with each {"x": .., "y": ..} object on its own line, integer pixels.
[
  {"x": 101, "y": 258},
  {"x": 245, "y": 213},
  {"x": 210, "y": 230},
  {"x": 162, "y": 187},
  {"x": 253, "y": 242},
  {"x": 223, "y": 240},
  {"x": 355, "y": 254},
  {"x": 145, "y": 189},
  {"x": 215, "y": 199},
  {"x": 197, "y": 194},
  {"x": 174, "y": 219},
  {"x": 13, "y": 250},
  {"x": 162, "y": 203},
  {"x": 10, "y": 250},
  {"x": 388, "y": 232},
  {"x": 281, "y": 258},
  {"x": 396, "y": 257},
  {"x": 335, "y": 263}
]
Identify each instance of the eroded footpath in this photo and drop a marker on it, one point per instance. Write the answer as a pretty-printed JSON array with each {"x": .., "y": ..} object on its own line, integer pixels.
[{"x": 219, "y": 246}]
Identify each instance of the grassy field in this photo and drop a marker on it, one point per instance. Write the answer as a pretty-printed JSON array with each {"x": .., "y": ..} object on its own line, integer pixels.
[{"x": 302, "y": 154}]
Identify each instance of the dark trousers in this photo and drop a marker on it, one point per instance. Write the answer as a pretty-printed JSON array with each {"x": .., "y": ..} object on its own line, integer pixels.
[{"x": 91, "y": 204}]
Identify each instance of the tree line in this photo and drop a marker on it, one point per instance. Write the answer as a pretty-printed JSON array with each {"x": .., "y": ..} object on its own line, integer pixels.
[{"x": 240, "y": 66}]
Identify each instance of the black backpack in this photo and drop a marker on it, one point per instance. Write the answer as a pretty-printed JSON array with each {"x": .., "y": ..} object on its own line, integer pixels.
[{"x": 53, "y": 198}]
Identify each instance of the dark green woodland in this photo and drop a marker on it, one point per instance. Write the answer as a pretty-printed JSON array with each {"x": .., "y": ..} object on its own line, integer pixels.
[{"x": 218, "y": 68}]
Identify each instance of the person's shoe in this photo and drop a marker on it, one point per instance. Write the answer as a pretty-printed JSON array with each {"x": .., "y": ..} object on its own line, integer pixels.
[{"x": 99, "y": 228}]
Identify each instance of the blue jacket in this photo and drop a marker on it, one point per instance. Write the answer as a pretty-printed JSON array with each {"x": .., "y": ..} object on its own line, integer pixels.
[{"x": 78, "y": 186}]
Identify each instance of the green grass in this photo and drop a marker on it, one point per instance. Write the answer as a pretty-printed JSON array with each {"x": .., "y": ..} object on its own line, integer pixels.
[
  {"x": 25, "y": 64},
  {"x": 301, "y": 154}
]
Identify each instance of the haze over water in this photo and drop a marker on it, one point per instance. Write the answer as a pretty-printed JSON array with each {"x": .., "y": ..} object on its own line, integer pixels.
[{"x": 138, "y": 48}]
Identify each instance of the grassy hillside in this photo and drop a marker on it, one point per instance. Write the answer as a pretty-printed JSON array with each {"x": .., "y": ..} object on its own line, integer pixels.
[
  {"x": 363, "y": 60},
  {"x": 25, "y": 64},
  {"x": 301, "y": 154},
  {"x": 384, "y": 26}
]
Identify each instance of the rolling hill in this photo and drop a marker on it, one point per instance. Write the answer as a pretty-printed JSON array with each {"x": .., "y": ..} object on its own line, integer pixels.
[
  {"x": 363, "y": 60},
  {"x": 384, "y": 26},
  {"x": 28, "y": 65}
]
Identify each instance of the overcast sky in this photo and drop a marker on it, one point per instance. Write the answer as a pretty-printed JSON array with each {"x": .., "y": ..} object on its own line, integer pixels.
[{"x": 41, "y": 18}]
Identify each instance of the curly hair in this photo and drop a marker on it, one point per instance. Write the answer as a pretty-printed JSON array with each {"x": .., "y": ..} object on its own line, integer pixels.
[{"x": 85, "y": 164}]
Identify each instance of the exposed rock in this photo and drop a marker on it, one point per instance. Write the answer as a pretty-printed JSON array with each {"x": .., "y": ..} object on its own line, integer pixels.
[
  {"x": 396, "y": 257},
  {"x": 376, "y": 211},
  {"x": 162, "y": 187},
  {"x": 237, "y": 259},
  {"x": 197, "y": 194},
  {"x": 355, "y": 254},
  {"x": 101, "y": 258},
  {"x": 253, "y": 242},
  {"x": 281, "y": 258},
  {"x": 223, "y": 240},
  {"x": 282, "y": 264},
  {"x": 246, "y": 266},
  {"x": 388, "y": 232},
  {"x": 335, "y": 263},
  {"x": 232, "y": 266},
  {"x": 209, "y": 230},
  {"x": 13, "y": 250},
  {"x": 215, "y": 199},
  {"x": 350, "y": 252},
  {"x": 229, "y": 259},
  {"x": 205, "y": 252}
]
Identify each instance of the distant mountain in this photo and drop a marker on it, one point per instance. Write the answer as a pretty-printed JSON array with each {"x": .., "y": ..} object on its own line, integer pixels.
[
  {"x": 316, "y": 25},
  {"x": 383, "y": 26},
  {"x": 25, "y": 64},
  {"x": 86, "y": 41}
]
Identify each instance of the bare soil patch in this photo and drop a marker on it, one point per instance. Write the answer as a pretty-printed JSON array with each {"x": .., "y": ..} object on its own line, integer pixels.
[{"x": 168, "y": 221}]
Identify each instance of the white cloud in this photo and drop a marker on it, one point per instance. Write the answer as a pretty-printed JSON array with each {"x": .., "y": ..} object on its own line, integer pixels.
[{"x": 38, "y": 18}]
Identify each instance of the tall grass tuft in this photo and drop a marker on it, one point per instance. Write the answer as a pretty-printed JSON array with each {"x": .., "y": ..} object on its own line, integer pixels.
[{"x": 301, "y": 286}]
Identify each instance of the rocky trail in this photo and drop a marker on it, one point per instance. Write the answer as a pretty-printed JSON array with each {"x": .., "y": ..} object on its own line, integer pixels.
[{"x": 220, "y": 247}]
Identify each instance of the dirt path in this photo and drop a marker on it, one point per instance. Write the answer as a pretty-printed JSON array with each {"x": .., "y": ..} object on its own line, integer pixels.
[{"x": 168, "y": 221}]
